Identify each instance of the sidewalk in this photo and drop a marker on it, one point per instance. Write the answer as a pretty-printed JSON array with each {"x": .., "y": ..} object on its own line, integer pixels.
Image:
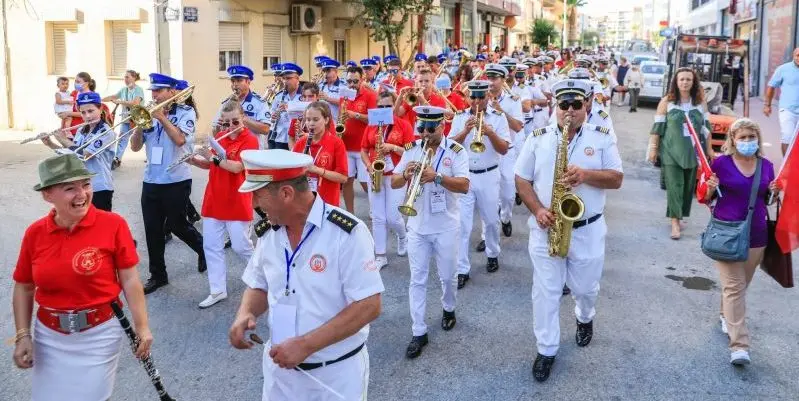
[{"x": 769, "y": 126}]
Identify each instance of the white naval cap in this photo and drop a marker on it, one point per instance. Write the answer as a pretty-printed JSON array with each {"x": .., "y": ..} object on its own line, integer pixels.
[
  {"x": 571, "y": 88},
  {"x": 496, "y": 69},
  {"x": 262, "y": 167},
  {"x": 429, "y": 113},
  {"x": 521, "y": 67}
]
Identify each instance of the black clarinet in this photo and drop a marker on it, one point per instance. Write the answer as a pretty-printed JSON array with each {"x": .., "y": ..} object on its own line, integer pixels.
[
  {"x": 308, "y": 140},
  {"x": 147, "y": 361}
]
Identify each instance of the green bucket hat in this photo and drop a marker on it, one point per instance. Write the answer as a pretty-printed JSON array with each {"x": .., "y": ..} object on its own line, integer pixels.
[{"x": 59, "y": 169}]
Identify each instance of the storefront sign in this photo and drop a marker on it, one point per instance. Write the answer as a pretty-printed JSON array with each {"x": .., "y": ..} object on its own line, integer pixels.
[{"x": 746, "y": 10}]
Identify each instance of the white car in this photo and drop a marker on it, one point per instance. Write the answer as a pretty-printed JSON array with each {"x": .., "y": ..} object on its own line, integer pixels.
[{"x": 654, "y": 73}]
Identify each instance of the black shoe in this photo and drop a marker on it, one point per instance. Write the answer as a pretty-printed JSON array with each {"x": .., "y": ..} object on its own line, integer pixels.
[
  {"x": 228, "y": 244},
  {"x": 116, "y": 163},
  {"x": 201, "y": 266},
  {"x": 518, "y": 200},
  {"x": 167, "y": 238},
  {"x": 507, "y": 229},
  {"x": 492, "y": 265},
  {"x": 462, "y": 279},
  {"x": 448, "y": 320},
  {"x": 542, "y": 366},
  {"x": 585, "y": 331},
  {"x": 416, "y": 345},
  {"x": 152, "y": 284},
  {"x": 566, "y": 290},
  {"x": 481, "y": 246},
  {"x": 194, "y": 217}
]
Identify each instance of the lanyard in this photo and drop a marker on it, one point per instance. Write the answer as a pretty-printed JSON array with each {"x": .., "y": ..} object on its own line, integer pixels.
[
  {"x": 574, "y": 142},
  {"x": 441, "y": 156},
  {"x": 290, "y": 259}
]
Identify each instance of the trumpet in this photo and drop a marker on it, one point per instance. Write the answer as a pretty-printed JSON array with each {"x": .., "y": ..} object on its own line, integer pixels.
[
  {"x": 379, "y": 164},
  {"x": 411, "y": 98},
  {"x": 272, "y": 90},
  {"x": 477, "y": 145},
  {"x": 340, "y": 128},
  {"x": 415, "y": 188},
  {"x": 189, "y": 155}
]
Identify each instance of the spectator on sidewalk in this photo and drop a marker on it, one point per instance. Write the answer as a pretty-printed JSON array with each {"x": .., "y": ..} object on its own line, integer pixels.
[
  {"x": 634, "y": 81},
  {"x": 786, "y": 77},
  {"x": 127, "y": 97},
  {"x": 621, "y": 73},
  {"x": 63, "y": 102}
]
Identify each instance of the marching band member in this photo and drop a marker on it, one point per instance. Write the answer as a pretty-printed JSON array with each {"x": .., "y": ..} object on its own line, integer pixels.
[
  {"x": 74, "y": 262},
  {"x": 165, "y": 193},
  {"x": 394, "y": 75},
  {"x": 225, "y": 210},
  {"x": 594, "y": 166},
  {"x": 91, "y": 139},
  {"x": 484, "y": 174},
  {"x": 425, "y": 96},
  {"x": 433, "y": 63},
  {"x": 433, "y": 232},
  {"x": 382, "y": 74},
  {"x": 540, "y": 101},
  {"x": 278, "y": 118},
  {"x": 255, "y": 108},
  {"x": 329, "y": 169},
  {"x": 596, "y": 115},
  {"x": 310, "y": 93},
  {"x": 322, "y": 290},
  {"x": 383, "y": 205},
  {"x": 355, "y": 120},
  {"x": 130, "y": 95},
  {"x": 444, "y": 86},
  {"x": 369, "y": 67},
  {"x": 329, "y": 89}
]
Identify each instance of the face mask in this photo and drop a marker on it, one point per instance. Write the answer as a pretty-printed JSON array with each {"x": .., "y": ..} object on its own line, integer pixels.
[
  {"x": 78, "y": 87},
  {"x": 746, "y": 148}
]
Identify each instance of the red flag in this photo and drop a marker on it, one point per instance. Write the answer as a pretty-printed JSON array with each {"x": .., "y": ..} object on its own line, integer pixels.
[
  {"x": 787, "y": 232},
  {"x": 704, "y": 167}
]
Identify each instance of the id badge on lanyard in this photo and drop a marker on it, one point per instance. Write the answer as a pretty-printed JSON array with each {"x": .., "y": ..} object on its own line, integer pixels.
[{"x": 438, "y": 199}]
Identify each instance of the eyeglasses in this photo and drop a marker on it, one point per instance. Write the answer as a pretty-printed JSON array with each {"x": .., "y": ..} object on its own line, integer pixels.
[
  {"x": 384, "y": 106},
  {"x": 429, "y": 127},
  {"x": 353, "y": 81},
  {"x": 233, "y": 122},
  {"x": 393, "y": 71},
  {"x": 574, "y": 104}
]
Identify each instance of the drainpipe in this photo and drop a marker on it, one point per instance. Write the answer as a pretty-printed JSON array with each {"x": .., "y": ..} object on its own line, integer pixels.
[
  {"x": 157, "y": 24},
  {"x": 7, "y": 65}
]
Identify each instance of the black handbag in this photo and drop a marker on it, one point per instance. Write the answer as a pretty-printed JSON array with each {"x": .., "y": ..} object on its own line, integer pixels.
[{"x": 775, "y": 263}]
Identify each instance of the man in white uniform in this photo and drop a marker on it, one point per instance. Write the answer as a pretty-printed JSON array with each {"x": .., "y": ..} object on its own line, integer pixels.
[
  {"x": 330, "y": 87},
  {"x": 484, "y": 158},
  {"x": 435, "y": 220},
  {"x": 594, "y": 165},
  {"x": 254, "y": 107},
  {"x": 320, "y": 292}
]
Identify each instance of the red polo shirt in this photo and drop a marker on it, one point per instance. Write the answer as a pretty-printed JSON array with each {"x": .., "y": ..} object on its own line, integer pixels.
[
  {"x": 433, "y": 99},
  {"x": 330, "y": 154},
  {"x": 400, "y": 134},
  {"x": 364, "y": 100},
  {"x": 402, "y": 82},
  {"x": 222, "y": 199},
  {"x": 294, "y": 127},
  {"x": 76, "y": 269}
]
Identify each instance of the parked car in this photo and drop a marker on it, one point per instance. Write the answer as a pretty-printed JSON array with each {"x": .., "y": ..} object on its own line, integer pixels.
[
  {"x": 654, "y": 73},
  {"x": 640, "y": 58}
]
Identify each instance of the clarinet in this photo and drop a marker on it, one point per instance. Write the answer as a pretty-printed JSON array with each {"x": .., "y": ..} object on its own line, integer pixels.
[
  {"x": 308, "y": 141},
  {"x": 273, "y": 127},
  {"x": 147, "y": 361}
]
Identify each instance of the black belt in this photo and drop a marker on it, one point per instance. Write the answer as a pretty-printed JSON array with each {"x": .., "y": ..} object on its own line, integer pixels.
[
  {"x": 484, "y": 170},
  {"x": 581, "y": 223},
  {"x": 311, "y": 366}
]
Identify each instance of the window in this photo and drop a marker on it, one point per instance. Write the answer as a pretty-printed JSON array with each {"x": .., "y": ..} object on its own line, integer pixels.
[
  {"x": 273, "y": 47},
  {"x": 119, "y": 46},
  {"x": 340, "y": 50},
  {"x": 230, "y": 38},
  {"x": 62, "y": 36}
]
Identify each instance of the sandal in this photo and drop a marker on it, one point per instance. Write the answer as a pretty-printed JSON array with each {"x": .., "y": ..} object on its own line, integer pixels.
[{"x": 675, "y": 235}]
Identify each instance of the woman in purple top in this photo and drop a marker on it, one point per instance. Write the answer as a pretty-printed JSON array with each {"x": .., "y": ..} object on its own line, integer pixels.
[{"x": 733, "y": 173}]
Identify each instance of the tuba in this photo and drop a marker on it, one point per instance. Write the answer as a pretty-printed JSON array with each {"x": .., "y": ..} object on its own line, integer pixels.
[
  {"x": 415, "y": 187},
  {"x": 379, "y": 164},
  {"x": 477, "y": 145},
  {"x": 340, "y": 129},
  {"x": 566, "y": 206}
]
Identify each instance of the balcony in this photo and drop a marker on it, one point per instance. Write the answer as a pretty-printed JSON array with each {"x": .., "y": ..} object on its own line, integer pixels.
[{"x": 501, "y": 7}]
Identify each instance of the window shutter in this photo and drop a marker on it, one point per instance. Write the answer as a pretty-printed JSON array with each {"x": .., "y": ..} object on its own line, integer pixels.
[
  {"x": 273, "y": 36},
  {"x": 60, "y": 46},
  {"x": 230, "y": 37},
  {"x": 119, "y": 47}
]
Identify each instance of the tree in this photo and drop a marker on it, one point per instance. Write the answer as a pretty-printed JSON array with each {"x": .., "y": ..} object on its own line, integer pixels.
[
  {"x": 571, "y": 17},
  {"x": 542, "y": 32},
  {"x": 387, "y": 21},
  {"x": 589, "y": 38}
]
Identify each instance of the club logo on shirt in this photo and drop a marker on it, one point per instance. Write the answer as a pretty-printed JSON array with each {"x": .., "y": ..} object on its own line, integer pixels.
[
  {"x": 318, "y": 263},
  {"x": 324, "y": 158},
  {"x": 447, "y": 162},
  {"x": 589, "y": 151},
  {"x": 190, "y": 123},
  {"x": 250, "y": 107},
  {"x": 98, "y": 143},
  {"x": 87, "y": 261}
]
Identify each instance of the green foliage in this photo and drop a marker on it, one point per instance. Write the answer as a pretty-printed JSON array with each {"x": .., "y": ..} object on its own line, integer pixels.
[
  {"x": 543, "y": 31},
  {"x": 387, "y": 20},
  {"x": 589, "y": 38}
]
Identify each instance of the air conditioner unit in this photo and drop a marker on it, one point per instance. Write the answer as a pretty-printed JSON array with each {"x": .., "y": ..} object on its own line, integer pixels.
[{"x": 306, "y": 18}]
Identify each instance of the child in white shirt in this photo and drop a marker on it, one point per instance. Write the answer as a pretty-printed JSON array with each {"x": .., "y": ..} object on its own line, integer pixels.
[{"x": 63, "y": 102}]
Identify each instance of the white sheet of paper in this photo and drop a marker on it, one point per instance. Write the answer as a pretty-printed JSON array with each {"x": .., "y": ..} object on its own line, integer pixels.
[
  {"x": 438, "y": 201},
  {"x": 284, "y": 322},
  {"x": 295, "y": 108},
  {"x": 157, "y": 155},
  {"x": 347, "y": 93},
  {"x": 377, "y": 116},
  {"x": 220, "y": 151}
]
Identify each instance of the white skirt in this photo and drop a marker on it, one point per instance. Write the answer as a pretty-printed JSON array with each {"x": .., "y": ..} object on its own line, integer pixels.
[{"x": 76, "y": 367}]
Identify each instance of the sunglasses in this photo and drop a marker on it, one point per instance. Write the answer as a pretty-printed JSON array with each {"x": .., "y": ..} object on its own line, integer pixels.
[
  {"x": 384, "y": 106},
  {"x": 574, "y": 104},
  {"x": 429, "y": 127},
  {"x": 233, "y": 122},
  {"x": 353, "y": 81},
  {"x": 392, "y": 71},
  {"x": 473, "y": 97}
]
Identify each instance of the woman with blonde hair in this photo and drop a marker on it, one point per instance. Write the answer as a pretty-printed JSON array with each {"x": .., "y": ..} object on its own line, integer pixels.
[{"x": 734, "y": 173}]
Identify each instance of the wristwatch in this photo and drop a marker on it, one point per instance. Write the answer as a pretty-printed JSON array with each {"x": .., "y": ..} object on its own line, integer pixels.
[
  {"x": 216, "y": 160},
  {"x": 438, "y": 179}
]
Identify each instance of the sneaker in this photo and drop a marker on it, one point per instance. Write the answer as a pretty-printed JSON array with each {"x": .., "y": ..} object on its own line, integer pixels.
[
  {"x": 723, "y": 324},
  {"x": 212, "y": 300},
  {"x": 381, "y": 262},
  {"x": 402, "y": 246},
  {"x": 740, "y": 357}
]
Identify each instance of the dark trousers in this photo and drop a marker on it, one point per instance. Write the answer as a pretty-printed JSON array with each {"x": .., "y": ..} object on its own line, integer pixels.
[
  {"x": 164, "y": 206},
  {"x": 102, "y": 200},
  {"x": 277, "y": 145},
  {"x": 634, "y": 98},
  {"x": 736, "y": 82}
]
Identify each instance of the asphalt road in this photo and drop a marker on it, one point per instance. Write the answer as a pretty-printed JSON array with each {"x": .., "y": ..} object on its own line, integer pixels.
[{"x": 655, "y": 338}]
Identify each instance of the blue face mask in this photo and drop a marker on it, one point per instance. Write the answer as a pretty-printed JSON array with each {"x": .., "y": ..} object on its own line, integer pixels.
[
  {"x": 78, "y": 87},
  {"x": 746, "y": 148}
]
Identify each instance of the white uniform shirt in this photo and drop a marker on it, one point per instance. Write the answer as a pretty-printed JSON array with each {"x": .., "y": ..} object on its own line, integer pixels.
[
  {"x": 450, "y": 160},
  {"x": 600, "y": 117},
  {"x": 161, "y": 151},
  {"x": 332, "y": 269},
  {"x": 593, "y": 148},
  {"x": 514, "y": 109},
  {"x": 489, "y": 158},
  {"x": 332, "y": 91},
  {"x": 283, "y": 120},
  {"x": 254, "y": 107}
]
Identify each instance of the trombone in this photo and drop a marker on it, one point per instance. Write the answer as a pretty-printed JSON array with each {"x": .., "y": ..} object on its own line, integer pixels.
[
  {"x": 477, "y": 145},
  {"x": 415, "y": 188}
]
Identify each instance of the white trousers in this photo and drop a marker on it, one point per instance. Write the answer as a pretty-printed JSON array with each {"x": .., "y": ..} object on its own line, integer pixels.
[
  {"x": 214, "y": 248},
  {"x": 483, "y": 192},
  {"x": 581, "y": 270},
  {"x": 356, "y": 168},
  {"x": 350, "y": 378},
  {"x": 385, "y": 214},
  {"x": 507, "y": 187},
  {"x": 444, "y": 246},
  {"x": 788, "y": 124},
  {"x": 76, "y": 367}
]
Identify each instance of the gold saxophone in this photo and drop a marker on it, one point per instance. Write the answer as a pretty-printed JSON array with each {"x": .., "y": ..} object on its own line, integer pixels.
[
  {"x": 566, "y": 206},
  {"x": 379, "y": 164},
  {"x": 340, "y": 129},
  {"x": 415, "y": 188}
]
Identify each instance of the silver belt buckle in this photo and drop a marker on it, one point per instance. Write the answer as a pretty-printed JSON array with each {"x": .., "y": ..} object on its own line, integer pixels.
[{"x": 73, "y": 322}]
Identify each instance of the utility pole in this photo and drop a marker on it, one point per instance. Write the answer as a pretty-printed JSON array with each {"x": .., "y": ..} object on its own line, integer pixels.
[
  {"x": 563, "y": 28},
  {"x": 7, "y": 64}
]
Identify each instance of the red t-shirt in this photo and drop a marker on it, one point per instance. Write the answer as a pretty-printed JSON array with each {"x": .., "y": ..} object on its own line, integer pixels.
[
  {"x": 77, "y": 269},
  {"x": 353, "y": 133},
  {"x": 433, "y": 99},
  {"x": 222, "y": 199},
  {"x": 402, "y": 82},
  {"x": 75, "y": 120},
  {"x": 400, "y": 134},
  {"x": 460, "y": 104},
  {"x": 330, "y": 154}
]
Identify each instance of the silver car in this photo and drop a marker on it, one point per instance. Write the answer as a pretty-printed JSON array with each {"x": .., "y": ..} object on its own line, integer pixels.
[{"x": 654, "y": 73}]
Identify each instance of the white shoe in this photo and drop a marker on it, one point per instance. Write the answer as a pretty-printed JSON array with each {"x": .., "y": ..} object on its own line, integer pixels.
[
  {"x": 212, "y": 300},
  {"x": 402, "y": 246},
  {"x": 381, "y": 262},
  {"x": 723, "y": 324},
  {"x": 740, "y": 357}
]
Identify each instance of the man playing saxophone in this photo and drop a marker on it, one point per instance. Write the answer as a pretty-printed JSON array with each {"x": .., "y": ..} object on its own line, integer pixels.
[
  {"x": 591, "y": 165},
  {"x": 434, "y": 223},
  {"x": 279, "y": 120}
]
